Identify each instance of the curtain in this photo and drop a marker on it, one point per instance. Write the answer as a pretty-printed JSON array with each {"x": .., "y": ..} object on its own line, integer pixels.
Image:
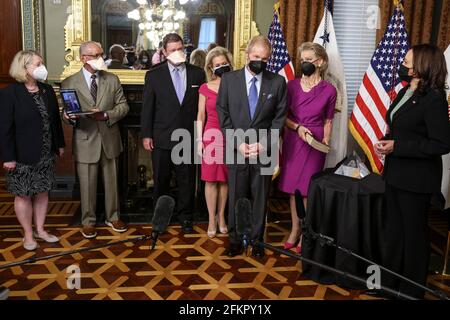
[
  {"x": 420, "y": 18},
  {"x": 207, "y": 32},
  {"x": 444, "y": 26},
  {"x": 299, "y": 21}
]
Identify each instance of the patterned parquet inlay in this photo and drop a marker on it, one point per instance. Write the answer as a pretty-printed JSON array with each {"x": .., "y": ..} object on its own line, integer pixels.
[{"x": 188, "y": 267}]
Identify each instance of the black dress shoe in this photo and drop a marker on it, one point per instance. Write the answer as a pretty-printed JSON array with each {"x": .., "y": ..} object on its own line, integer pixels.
[
  {"x": 258, "y": 252},
  {"x": 186, "y": 226},
  {"x": 234, "y": 250}
]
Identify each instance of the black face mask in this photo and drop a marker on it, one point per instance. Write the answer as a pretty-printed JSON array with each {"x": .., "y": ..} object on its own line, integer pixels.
[
  {"x": 257, "y": 66},
  {"x": 308, "y": 68},
  {"x": 219, "y": 71},
  {"x": 403, "y": 74}
]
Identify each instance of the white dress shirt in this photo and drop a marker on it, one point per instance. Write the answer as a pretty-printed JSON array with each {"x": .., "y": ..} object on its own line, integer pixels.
[{"x": 88, "y": 75}]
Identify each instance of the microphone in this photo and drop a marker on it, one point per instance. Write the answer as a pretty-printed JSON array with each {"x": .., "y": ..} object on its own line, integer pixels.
[
  {"x": 163, "y": 213},
  {"x": 242, "y": 211}
]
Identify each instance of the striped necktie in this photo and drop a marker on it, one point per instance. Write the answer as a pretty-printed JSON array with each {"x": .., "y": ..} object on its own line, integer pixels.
[{"x": 94, "y": 88}]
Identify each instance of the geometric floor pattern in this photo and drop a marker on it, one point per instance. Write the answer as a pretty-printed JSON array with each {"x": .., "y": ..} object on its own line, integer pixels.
[{"x": 188, "y": 267}]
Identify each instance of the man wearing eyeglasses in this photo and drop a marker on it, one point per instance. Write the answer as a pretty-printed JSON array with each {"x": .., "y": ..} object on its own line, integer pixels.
[{"x": 96, "y": 138}]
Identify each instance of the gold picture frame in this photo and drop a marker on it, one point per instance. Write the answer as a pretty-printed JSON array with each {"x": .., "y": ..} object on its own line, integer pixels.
[{"x": 78, "y": 29}]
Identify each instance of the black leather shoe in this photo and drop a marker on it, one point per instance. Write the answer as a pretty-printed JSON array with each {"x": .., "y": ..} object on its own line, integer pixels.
[
  {"x": 258, "y": 252},
  {"x": 186, "y": 226},
  {"x": 234, "y": 250}
]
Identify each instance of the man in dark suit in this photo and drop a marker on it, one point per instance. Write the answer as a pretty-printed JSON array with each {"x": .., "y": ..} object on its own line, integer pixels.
[
  {"x": 171, "y": 103},
  {"x": 118, "y": 55},
  {"x": 251, "y": 99}
]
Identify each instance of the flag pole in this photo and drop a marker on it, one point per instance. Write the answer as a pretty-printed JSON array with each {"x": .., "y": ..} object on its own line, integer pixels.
[
  {"x": 325, "y": 28},
  {"x": 392, "y": 94}
]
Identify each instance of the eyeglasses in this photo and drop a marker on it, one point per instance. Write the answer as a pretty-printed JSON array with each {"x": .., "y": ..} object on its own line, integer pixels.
[{"x": 94, "y": 56}]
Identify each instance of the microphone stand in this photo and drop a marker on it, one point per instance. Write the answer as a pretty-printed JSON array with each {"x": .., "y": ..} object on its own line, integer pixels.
[
  {"x": 151, "y": 237},
  {"x": 330, "y": 269},
  {"x": 4, "y": 293},
  {"x": 323, "y": 239}
]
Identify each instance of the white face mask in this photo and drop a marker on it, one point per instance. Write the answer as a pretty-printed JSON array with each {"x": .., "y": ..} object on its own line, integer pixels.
[
  {"x": 40, "y": 73},
  {"x": 176, "y": 58},
  {"x": 98, "y": 64}
]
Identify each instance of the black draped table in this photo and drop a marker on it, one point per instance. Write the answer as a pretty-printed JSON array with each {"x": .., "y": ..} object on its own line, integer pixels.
[{"x": 350, "y": 211}]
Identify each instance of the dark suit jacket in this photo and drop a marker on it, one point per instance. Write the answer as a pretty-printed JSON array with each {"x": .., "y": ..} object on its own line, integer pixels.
[
  {"x": 161, "y": 111},
  {"x": 21, "y": 124},
  {"x": 421, "y": 133},
  {"x": 117, "y": 65},
  {"x": 233, "y": 108}
]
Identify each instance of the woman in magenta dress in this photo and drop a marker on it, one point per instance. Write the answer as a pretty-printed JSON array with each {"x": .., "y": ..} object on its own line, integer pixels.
[
  {"x": 311, "y": 103},
  {"x": 211, "y": 146}
]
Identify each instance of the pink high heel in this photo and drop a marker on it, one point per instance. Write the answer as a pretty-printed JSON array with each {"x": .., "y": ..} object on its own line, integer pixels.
[
  {"x": 298, "y": 249},
  {"x": 288, "y": 245}
]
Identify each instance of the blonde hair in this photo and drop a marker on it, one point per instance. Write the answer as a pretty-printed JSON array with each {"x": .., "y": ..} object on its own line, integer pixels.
[
  {"x": 198, "y": 57},
  {"x": 258, "y": 40},
  {"x": 320, "y": 53},
  {"x": 21, "y": 61},
  {"x": 214, "y": 53}
]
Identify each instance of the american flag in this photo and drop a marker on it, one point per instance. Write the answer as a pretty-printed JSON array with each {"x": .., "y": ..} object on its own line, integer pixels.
[
  {"x": 280, "y": 61},
  {"x": 380, "y": 86}
]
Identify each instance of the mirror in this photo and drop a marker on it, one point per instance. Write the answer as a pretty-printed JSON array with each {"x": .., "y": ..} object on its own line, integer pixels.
[{"x": 139, "y": 25}]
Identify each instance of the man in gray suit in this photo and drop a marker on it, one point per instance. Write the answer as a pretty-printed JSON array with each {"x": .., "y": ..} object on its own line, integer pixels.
[
  {"x": 252, "y": 101},
  {"x": 96, "y": 138}
]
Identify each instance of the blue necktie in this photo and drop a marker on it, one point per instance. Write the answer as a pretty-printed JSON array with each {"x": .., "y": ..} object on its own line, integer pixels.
[
  {"x": 253, "y": 97},
  {"x": 178, "y": 83}
]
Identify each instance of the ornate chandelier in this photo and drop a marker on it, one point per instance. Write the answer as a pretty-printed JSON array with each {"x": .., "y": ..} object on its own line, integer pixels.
[{"x": 157, "y": 18}]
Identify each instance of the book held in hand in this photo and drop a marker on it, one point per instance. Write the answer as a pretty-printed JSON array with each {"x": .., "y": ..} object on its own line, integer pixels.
[{"x": 317, "y": 144}]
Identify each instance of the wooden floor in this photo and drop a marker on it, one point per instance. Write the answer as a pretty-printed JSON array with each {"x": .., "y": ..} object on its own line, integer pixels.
[{"x": 189, "y": 267}]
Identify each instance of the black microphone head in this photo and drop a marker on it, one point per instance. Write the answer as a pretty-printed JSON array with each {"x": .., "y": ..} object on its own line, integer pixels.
[
  {"x": 243, "y": 214},
  {"x": 163, "y": 213},
  {"x": 301, "y": 212}
]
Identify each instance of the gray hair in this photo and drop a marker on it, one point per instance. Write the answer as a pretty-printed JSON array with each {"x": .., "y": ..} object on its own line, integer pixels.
[
  {"x": 87, "y": 44},
  {"x": 258, "y": 40}
]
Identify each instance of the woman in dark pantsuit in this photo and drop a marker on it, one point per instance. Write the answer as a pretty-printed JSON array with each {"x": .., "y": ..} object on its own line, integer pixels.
[
  {"x": 30, "y": 136},
  {"x": 418, "y": 135}
]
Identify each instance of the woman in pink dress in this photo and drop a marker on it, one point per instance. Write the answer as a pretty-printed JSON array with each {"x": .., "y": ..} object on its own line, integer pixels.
[
  {"x": 211, "y": 145},
  {"x": 311, "y": 103}
]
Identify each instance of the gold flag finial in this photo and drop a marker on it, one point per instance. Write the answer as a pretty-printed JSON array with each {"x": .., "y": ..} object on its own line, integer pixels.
[
  {"x": 276, "y": 7},
  {"x": 399, "y": 3}
]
